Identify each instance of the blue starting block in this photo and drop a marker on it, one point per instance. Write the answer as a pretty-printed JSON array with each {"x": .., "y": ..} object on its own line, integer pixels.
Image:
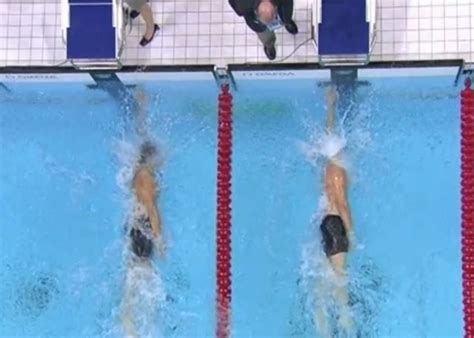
[
  {"x": 345, "y": 31},
  {"x": 92, "y": 31}
]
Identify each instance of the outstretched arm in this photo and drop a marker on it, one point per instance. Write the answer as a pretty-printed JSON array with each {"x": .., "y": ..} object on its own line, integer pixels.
[
  {"x": 141, "y": 100},
  {"x": 156, "y": 227},
  {"x": 343, "y": 206},
  {"x": 145, "y": 186},
  {"x": 331, "y": 107},
  {"x": 155, "y": 219},
  {"x": 345, "y": 212}
]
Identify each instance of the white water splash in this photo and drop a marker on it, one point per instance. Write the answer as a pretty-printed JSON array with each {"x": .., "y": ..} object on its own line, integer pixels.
[
  {"x": 322, "y": 145},
  {"x": 144, "y": 297},
  {"x": 127, "y": 155}
]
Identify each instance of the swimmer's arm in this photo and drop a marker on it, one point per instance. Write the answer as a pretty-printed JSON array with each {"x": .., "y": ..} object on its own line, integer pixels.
[
  {"x": 156, "y": 226},
  {"x": 331, "y": 107},
  {"x": 145, "y": 187},
  {"x": 142, "y": 100},
  {"x": 345, "y": 212},
  {"x": 155, "y": 220},
  {"x": 343, "y": 205},
  {"x": 149, "y": 201}
]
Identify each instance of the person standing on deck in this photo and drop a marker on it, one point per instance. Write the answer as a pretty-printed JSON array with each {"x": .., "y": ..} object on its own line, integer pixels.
[
  {"x": 264, "y": 17},
  {"x": 140, "y": 7}
]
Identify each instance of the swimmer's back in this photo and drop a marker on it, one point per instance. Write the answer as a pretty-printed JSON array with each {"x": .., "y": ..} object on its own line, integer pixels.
[
  {"x": 335, "y": 185},
  {"x": 144, "y": 185}
]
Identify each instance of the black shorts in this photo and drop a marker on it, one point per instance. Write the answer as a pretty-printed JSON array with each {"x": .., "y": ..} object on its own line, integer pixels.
[
  {"x": 142, "y": 245},
  {"x": 334, "y": 235}
]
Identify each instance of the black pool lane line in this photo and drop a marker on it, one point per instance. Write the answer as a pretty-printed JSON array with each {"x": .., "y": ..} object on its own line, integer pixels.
[
  {"x": 4, "y": 87},
  {"x": 110, "y": 83}
]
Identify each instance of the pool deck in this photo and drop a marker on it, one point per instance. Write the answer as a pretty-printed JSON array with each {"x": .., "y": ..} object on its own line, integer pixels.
[{"x": 198, "y": 32}]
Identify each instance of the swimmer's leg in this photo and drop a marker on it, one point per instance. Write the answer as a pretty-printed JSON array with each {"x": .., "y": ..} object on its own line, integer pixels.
[
  {"x": 126, "y": 316},
  {"x": 128, "y": 326},
  {"x": 321, "y": 315},
  {"x": 341, "y": 296}
]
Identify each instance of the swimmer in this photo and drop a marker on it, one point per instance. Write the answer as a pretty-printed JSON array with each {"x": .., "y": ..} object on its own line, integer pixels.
[
  {"x": 336, "y": 228},
  {"x": 144, "y": 228}
]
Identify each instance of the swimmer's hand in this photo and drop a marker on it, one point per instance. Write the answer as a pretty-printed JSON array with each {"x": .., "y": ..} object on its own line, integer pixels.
[
  {"x": 160, "y": 246},
  {"x": 331, "y": 96},
  {"x": 352, "y": 240}
]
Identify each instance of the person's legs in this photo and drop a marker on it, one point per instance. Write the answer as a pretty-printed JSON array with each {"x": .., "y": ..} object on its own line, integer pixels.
[
  {"x": 141, "y": 7},
  {"x": 147, "y": 15},
  {"x": 136, "y": 5},
  {"x": 268, "y": 39},
  {"x": 338, "y": 263},
  {"x": 128, "y": 326},
  {"x": 127, "y": 307},
  {"x": 321, "y": 315},
  {"x": 341, "y": 296}
]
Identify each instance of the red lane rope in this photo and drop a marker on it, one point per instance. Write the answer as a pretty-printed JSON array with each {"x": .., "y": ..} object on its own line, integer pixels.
[
  {"x": 467, "y": 205},
  {"x": 223, "y": 257}
]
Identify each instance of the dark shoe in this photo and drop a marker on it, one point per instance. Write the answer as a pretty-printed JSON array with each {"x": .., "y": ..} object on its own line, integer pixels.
[
  {"x": 144, "y": 42},
  {"x": 270, "y": 52},
  {"x": 291, "y": 27}
]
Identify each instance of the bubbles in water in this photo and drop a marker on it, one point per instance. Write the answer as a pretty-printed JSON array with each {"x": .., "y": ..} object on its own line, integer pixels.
[
  {"x": 131, "y": 293},
  {"x": 332, "y": 145},
  {"x": 34, "y": 295},
  {"x": 367, "y": 293},
  {"x": 143, "y": 298},
  {"x": 323, "y": 145},
  {"x": 127, "y": 155},
  {"x": 366, "y": 290}
]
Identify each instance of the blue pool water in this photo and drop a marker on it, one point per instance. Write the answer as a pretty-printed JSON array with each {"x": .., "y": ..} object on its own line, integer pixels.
[{"x": 64, "y": 154}]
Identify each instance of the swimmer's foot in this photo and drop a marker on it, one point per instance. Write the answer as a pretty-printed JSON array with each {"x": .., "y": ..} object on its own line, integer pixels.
[
  {"x": 346, "y": 323},
  {"x": 128, "y": 327},
  {"x": 322, "y": 324},
  {"x": 149, "y": 38}
]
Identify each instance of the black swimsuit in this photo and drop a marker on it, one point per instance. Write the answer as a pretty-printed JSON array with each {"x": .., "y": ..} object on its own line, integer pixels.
[
  {"x": 142, "y": 245},
  {"x": 334, "y": 235}
]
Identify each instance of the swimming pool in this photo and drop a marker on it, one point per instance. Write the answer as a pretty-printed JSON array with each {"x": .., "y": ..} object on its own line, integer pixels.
[{"x": 65, "y": 151}]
